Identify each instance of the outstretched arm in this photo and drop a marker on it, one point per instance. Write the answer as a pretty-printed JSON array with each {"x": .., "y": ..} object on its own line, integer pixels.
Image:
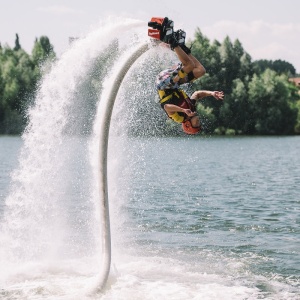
[{"x": 198, "y": 95}]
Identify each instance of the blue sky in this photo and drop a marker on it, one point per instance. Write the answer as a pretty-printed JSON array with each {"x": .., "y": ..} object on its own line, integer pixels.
[{"x": 267, "y": 29}]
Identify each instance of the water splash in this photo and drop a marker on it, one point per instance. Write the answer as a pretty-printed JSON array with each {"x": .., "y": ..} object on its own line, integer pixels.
[{"x": 40, "y": 221}]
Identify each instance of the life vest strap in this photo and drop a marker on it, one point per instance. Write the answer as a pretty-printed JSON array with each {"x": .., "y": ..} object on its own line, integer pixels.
[{"x": 164, "y": 97}]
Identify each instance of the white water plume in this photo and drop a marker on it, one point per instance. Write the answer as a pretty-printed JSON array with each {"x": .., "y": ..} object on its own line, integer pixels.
[{"x": 35, "y": 225}]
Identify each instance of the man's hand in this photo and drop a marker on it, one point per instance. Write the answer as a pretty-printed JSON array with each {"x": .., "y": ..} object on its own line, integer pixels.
[
  {"x": 189, "y": 113},
  {"x": 218, "y": 95}
]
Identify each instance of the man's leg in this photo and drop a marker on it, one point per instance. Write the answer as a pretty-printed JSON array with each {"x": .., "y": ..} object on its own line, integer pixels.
[
  {"x": 186, "y": 60},
  {"x": 198, "y": 70},
  {"x": 191, "y": 66}
]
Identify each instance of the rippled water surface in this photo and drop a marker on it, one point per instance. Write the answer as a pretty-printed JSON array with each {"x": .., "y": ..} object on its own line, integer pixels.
[
  {"x": 192, "y": 218},
  {"x": 224, "y": 199}
]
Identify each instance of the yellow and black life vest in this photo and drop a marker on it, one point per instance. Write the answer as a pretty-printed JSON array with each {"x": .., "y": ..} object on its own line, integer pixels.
[
  {"x": 167, "y": 94},
  {"x": 177, "y": 97}
]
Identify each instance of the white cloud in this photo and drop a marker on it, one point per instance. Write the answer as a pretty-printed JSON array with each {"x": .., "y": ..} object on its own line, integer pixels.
[
  {"x": 60, "y": 10},
  {"x": 271, "y": 49},
  {"x": 262, "y": 40}
]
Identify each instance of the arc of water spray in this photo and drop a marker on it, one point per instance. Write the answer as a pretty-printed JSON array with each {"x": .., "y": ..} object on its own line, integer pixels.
[{"x": 106, "y": 107}]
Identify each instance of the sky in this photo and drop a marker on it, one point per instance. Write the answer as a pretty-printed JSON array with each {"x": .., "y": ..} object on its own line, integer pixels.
[{"x": 267, "y": 29}]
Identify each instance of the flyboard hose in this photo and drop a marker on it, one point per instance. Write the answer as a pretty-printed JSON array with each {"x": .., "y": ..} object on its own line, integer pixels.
[{"x": 106, "y": 107}]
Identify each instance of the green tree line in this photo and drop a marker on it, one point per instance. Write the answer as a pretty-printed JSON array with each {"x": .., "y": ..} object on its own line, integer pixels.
[
  {"x": 259, "y": 99},
  {"x": 20, "y": 73}
]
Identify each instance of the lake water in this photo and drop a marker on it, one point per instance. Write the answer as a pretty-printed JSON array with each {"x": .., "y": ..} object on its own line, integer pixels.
[{"x": 192, "y": 218}]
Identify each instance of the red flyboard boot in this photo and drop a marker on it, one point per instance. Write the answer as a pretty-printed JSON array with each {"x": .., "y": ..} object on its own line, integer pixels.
[{"x": 162, "y": 29}]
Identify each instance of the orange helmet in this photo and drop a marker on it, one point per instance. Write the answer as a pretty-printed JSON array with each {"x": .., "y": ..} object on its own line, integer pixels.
[{"x": 189, "y": 129}]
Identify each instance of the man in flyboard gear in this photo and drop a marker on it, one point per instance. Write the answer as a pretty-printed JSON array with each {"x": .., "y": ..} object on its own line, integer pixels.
[{"x": 176, "y": 103}]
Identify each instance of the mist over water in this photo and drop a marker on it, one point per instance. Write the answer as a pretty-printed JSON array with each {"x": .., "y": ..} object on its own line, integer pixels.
[{"x": 163, "y": 246}]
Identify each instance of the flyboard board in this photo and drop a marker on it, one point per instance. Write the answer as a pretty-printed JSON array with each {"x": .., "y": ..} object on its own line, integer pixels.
[{"x": 161, "y": 28}]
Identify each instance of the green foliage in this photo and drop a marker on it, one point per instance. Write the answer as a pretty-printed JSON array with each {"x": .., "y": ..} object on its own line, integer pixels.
[
  {"x": 17, "y": 43},
  {"x": 258, "y": 97},
  {"x": 207, "y": 118},
  {"x": 278, "y": 66},
  {"x": 42, "y": 50},
  {"x": 272, "y": 111},
  {"x": 19, "y": 73},
  {"x": 297, "y": 125}
]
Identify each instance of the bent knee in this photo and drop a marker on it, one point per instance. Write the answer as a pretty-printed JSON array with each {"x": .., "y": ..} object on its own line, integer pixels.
[
  {"x": 188, "y": 65},
  {"x": 199, "y": 71}
]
